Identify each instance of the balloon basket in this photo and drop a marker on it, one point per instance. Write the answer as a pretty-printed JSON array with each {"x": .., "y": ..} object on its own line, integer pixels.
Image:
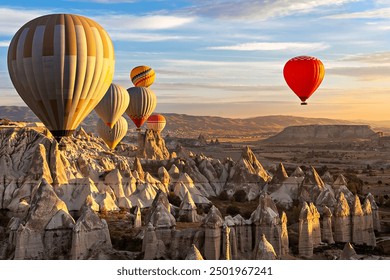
[{"x": 303, "y": 103}]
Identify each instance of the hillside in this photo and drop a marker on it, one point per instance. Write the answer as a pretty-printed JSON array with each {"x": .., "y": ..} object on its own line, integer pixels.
[
  {"x": 191, "y": 126},
  {"x": 319, "y": 133}
]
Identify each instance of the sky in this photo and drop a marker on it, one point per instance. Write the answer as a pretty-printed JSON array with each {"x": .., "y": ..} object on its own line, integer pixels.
[{"x": 226, "y": 57}]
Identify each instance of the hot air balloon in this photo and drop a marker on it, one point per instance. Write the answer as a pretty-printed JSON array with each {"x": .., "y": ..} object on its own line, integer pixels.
[
  {"x": 113, "y": 105},
  {"x": 156, "y": 122},
  {"x": 303, "y": 75},
  {"x": 143, "y": 102},
  {"x": 112, "y": 136},
  {"x": 142, "y": 76},
  {"x": 61, "y": 65}
]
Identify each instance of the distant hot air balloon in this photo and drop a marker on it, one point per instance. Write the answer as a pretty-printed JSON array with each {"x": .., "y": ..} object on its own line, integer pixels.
[
  {"x": 303, "y": 75},
  {"x": 142, "y": 76},
  {"x": 61, "y": 65},
  {"x": 156, "y": 122},
  {"x": 143, "y": 102},
  {"x": 112, "y": 136},
  {"x": 113, "y": 105}
]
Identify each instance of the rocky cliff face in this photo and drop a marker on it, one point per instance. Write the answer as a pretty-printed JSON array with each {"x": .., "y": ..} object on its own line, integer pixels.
[{"x": 318, "y": 133}]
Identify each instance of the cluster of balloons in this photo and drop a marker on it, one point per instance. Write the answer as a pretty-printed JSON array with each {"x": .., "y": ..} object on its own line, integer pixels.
[{"x": 62, "y": 66}]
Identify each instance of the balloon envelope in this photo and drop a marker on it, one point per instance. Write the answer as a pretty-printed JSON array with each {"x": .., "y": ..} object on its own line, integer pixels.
[
  {"x": 112, "y": 136},
  {"x": 142, "y": 104},
  {"x": 304, "y": 75},
  {"x": 156, "y": 122},
  {"x": 61, "y": 65},
  {"x": 113, "y": 105},
  {"x": 142, "y": 76}
]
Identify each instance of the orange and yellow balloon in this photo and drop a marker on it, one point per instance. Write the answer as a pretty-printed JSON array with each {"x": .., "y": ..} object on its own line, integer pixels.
[
  {"x": 156, "y": 122},
  {"x": 142, "y": 76},
  {"x": 112, "y": 136}
]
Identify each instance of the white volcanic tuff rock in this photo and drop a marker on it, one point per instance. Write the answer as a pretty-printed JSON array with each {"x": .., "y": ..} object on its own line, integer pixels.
[
  {"x": 207, "y": 169},
  {"x": 144, "y": 195},
  {"x": 129, "y": 184},
  {"x": 298, "y": 172},
  {"x": 342, "y": 221},
  {"x": 357, "y": 224},
  {"x": 114, "y": 180},
  {"x": 282, "y": 196},
  {"x": 152, "y": 146},
  {"x": 247, "y": 174},
  {"x": 199, "y": 180},
  {"x": 137, "y": 218},
  {"x": 326, "y": 198},
  {"x": 348, "y": 253},
  {"x": 312, "y": 186},
  {"x": 174, "y": 173},
  {"x": 151, "y": 180},
  {"x": 327, "y": 234},
  {"x": 194, "y": 254},
  {"x": 284, "y": 235},
  {"x": 59, "y": 165},
  {"x": 212, "y": 224},
  {"x": 327, "y": 178},
  {"x": 280, "y": 175},
  {"x": 316, "y": 234},
  {"x": 46, "y": 232},
  {"x": 267, "y": 221},
  {"x": 375, "y": 212},
  {"x": 137, "y": 166},
  {"x": 164, "y": 176},
  {"x": 185, "y": 184},
  {"x": 368, "y": 229},
  {"x": 227, "y": 250},
  {"x": 90, "y": 233},
  {"x": 305, "y": 232},
  {"x": 162, "y": 218},
  {"x": 265, "y": 250},
  {"x": 151, "y": 246},
  {"x": 187, "y": 210},
  {"x": 340, "y": 186},
  {"x": 39, "y": 166}
]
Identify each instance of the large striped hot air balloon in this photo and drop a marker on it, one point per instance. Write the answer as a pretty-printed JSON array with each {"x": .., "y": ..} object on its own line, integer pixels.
[
  {"x": 156, "y": 122},
  {"x": 113, "y": 105},
  {"x": 61, "y": 65},
  {"x": 142, "y": 76},
  {"x": 112, "y": 136},
  {"x": 143, "y": 102},
  {"x": 304, "y": 75}
]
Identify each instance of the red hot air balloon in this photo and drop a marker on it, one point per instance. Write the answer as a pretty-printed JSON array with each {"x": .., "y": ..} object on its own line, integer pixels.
[
  {"x": 304, "y": 75},
  {"x": 156, "y": 122}
]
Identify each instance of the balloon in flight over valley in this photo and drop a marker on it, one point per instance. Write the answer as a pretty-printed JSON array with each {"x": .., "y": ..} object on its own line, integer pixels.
[
  {"x": 304, "y": 75},
  {"x": 61, "y": 65},
  {"x": 112, "y": 136},
  {"x": 156, "y": 122},
  {"x": 142, "y": 76},
  {"x": 113, "y": 105},
  {"x": 142, "y": 104}
]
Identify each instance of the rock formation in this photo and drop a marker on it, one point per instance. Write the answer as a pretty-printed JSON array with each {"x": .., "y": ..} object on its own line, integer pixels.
[
  {"x": 357, "y": 223},
  {"x": 316, "y": 234},
  {"x": 152, "y": 146},
  {"x": 264, "y": 251},
  {"x": 187, "y": 211},
  {"x": 306, "y": 232},
  {"x": 342, "y": 221},
  {"x": 137, "y": 218},
  {"x": 368, "y": 225},
  {"x": 284, "y": 235},
  {"x": 194, "y": 254},
  {"x": 327, "y": 234},
  {"x": 348, "y": 253},
  {"x": 375, "y": 212},
  {"x": 212, "y": 224}
]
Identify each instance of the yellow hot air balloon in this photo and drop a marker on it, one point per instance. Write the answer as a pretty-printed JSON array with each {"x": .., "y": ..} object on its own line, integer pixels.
[
  {"x": 113, "y": 105},
  {"x": 112, "y": 136},
  {"x": 61, "y": 65},
  {"x": 143, "y": 102},
  {"x": 142, "y": 76},
  {"x": 156, "y": 122}
]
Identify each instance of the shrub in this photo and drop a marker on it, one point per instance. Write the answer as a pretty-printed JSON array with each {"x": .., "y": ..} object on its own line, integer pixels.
[
  {"x": 240, "y": 196},
  {"x": 232, "y": 210},
  {"x": 223, "y": 196}
]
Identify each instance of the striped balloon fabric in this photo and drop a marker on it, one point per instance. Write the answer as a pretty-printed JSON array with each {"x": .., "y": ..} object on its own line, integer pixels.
[
  {"x": 61, "y": 65},
  {"x": 142, "y": 76},
  {"x": 142, "y": 104},
  {"x": 112, "y": 136},
  {"x": 113, "y": 105},
  {"x": 156, "y": 122}
]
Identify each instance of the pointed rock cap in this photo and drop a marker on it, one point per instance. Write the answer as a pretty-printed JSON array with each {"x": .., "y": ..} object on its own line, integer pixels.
[
  {"x": 213, "y": 218},
  {"x": 187, "y": 203},
  {"x": 254, "y": 166},
  {"x": 340, "y": 181},
  {"x": 266, "y": 212},
  {"x": 194, "y": 254},
  {"x": 305, "y": 213},
  {"x": 327, "y": 177},
  {"x": 137, "y": 166},
  {"x": 367, "y": 207},
  {"x": 348, "y": 253},
  {"x": 298, "y": 172},
  {"x": 161, "y": 218},
  {"x": 265, "y": 250},
  {"x": 326, "y": 212},
  {"x": 371, "y": 198},
  {"x": 342, "y": 207},
  {"x": 185, "y": 179},
  {"x": 81, "y": 133},
  {"x": 283, "y": 219},
  {"x": 280, "y": 175},
  {"x": 312, "y": 178},
  {"x": 114, "y": 177},
  {"x": 357, "y": 208},
  {"x": 313, "y": 210},
  {"x": 89, "y": 221}
]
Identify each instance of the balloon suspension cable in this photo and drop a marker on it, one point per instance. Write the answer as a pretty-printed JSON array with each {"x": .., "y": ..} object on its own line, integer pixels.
[{"x": 304, "y": 103}]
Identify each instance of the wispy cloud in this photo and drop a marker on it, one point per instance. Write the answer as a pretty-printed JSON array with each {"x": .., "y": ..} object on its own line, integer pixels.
[
  {"x": 4, "y": 44},
  {"x": 273, "y": 46},
  {"x": 146, "y": 37},
  {"x": 260, "y": 9},
  {"x": 383, "y": 13}
]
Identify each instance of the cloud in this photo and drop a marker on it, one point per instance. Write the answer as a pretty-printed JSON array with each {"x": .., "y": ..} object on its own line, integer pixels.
[
  {"x": 147, "y": 22},
  {"x": 273, "y": 46},
  {"x": 369, "y": 58},
  {"x": 146, "y": 37},
  {"x": 4, "y": 44},
  {"x": 259, "y": 9},
  {"x": 383, "y": 13}
]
